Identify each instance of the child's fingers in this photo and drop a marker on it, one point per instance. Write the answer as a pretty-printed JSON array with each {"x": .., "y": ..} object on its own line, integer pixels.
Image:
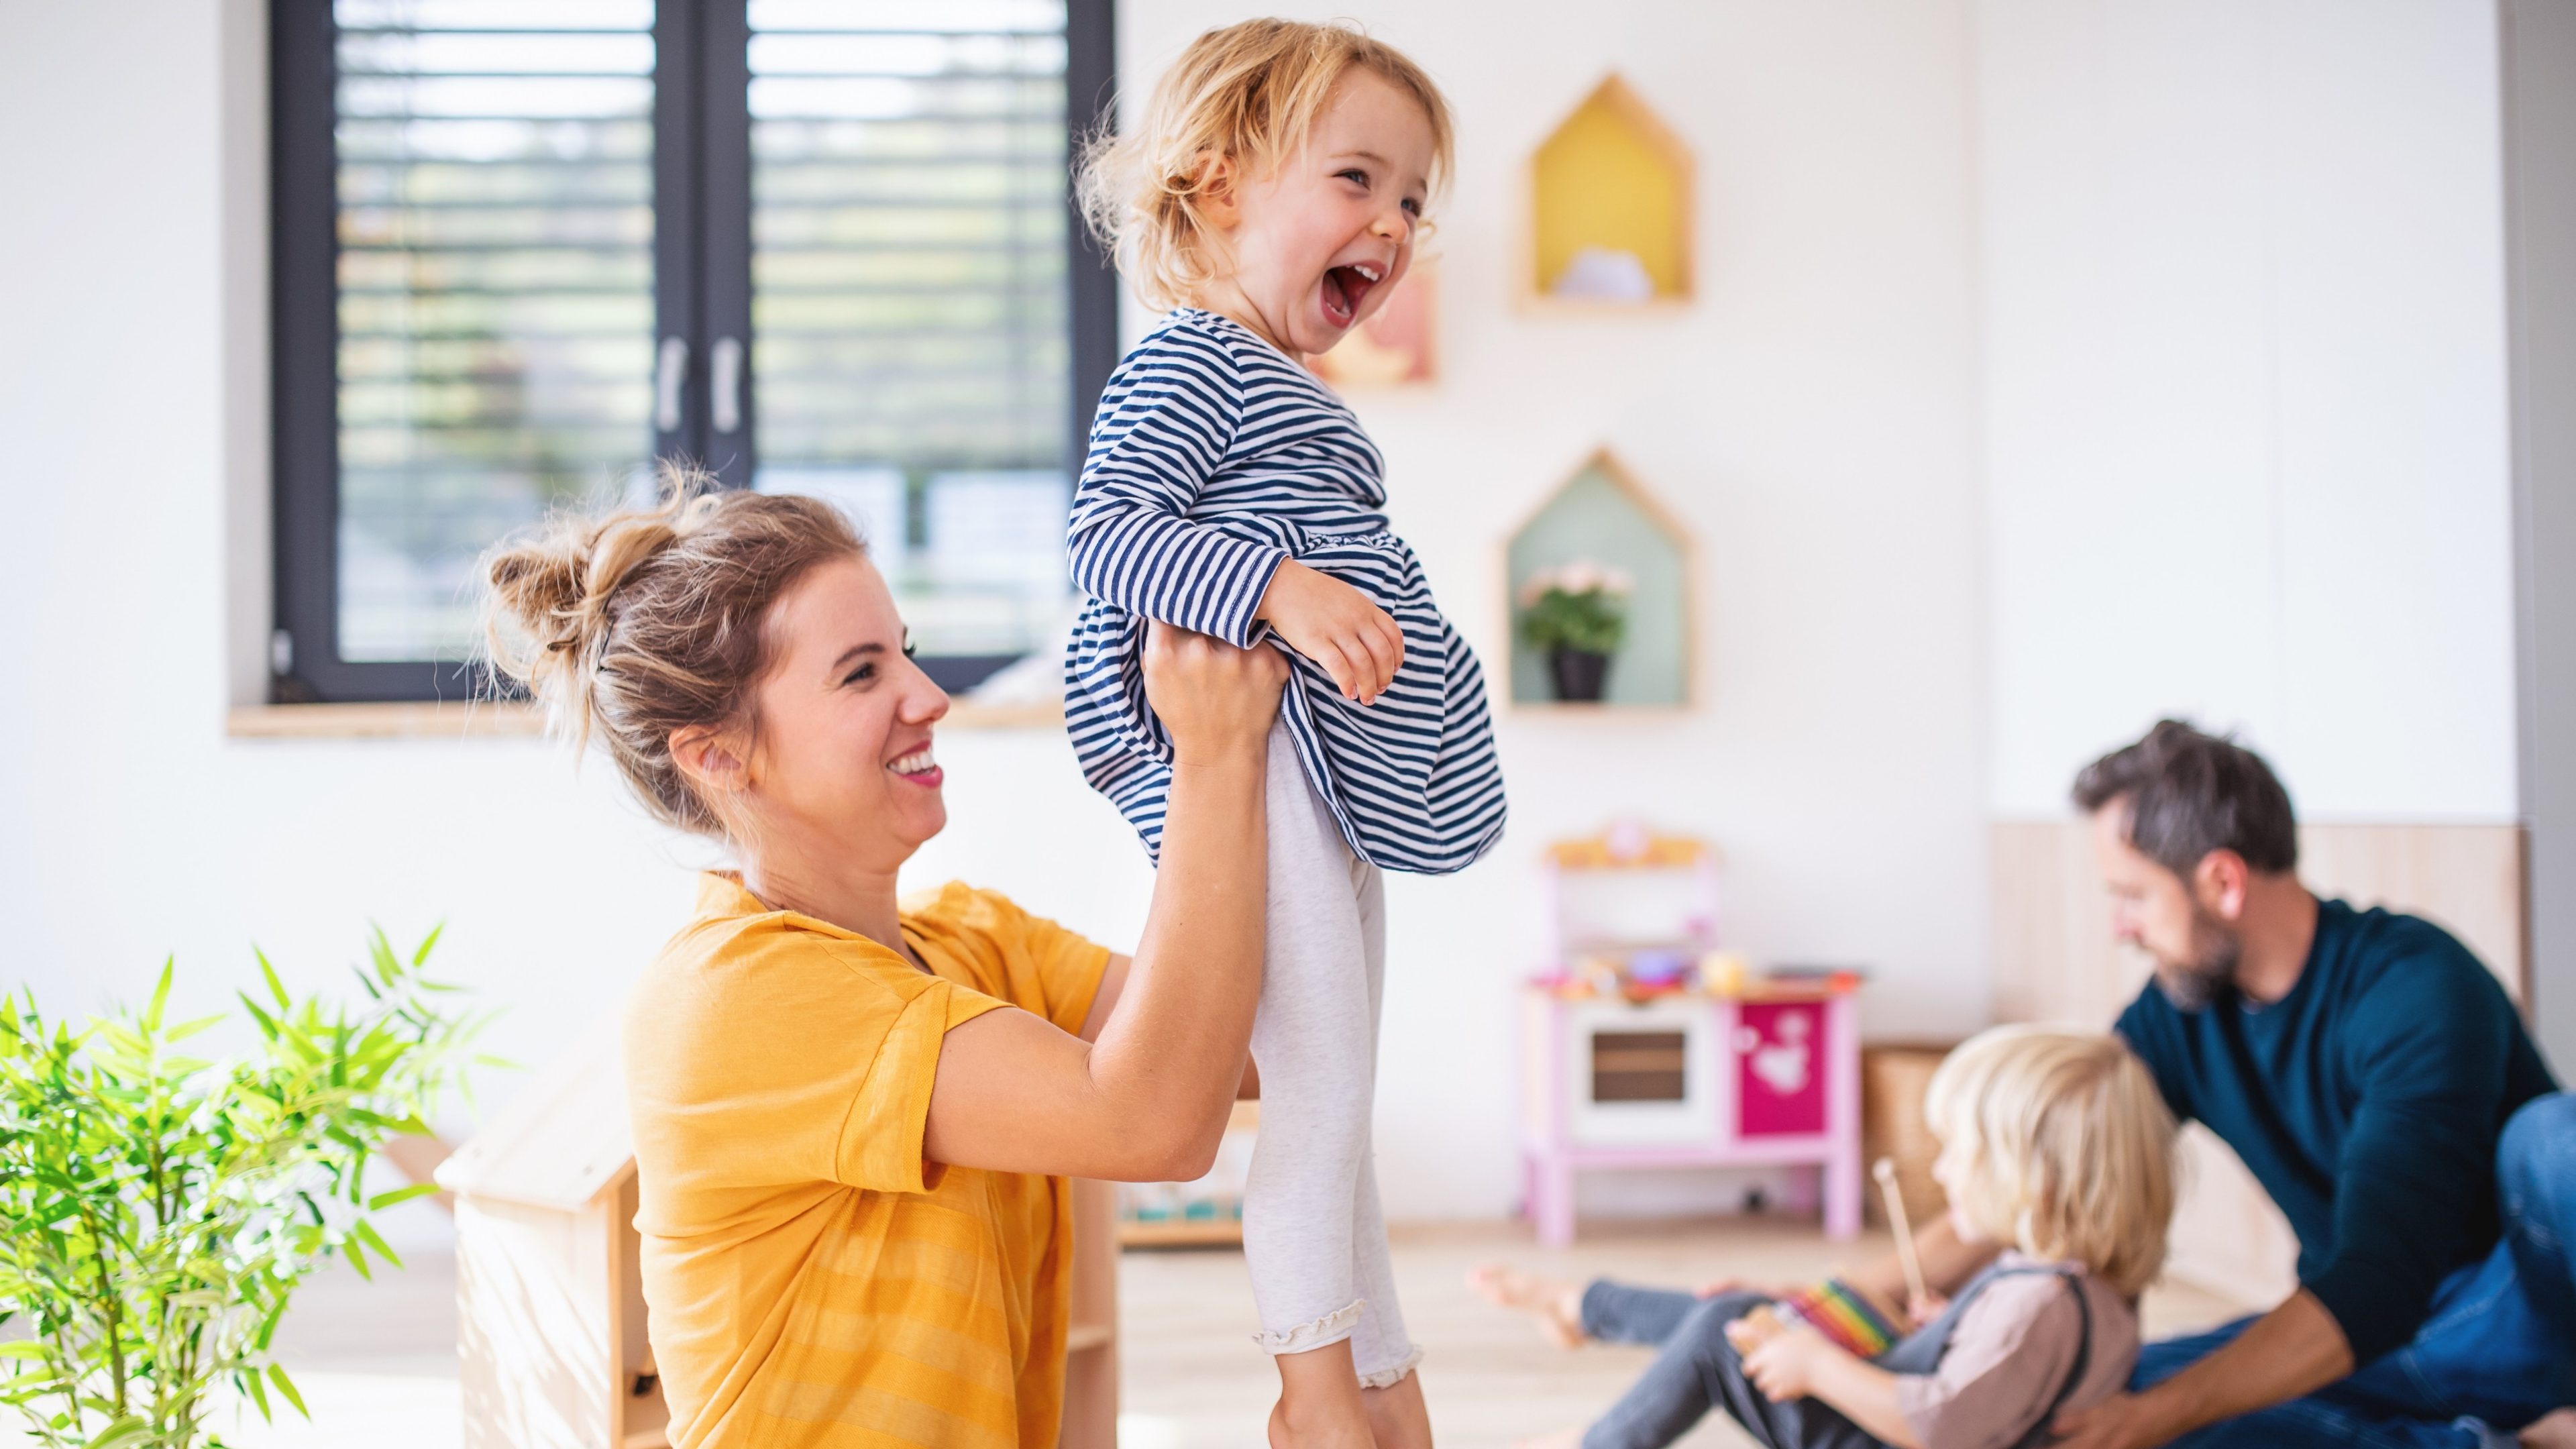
[{"x": 1348, "y": 674}]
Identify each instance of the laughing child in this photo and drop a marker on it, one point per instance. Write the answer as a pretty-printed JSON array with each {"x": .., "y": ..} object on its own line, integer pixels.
[{"x": 1270, "y": 198}]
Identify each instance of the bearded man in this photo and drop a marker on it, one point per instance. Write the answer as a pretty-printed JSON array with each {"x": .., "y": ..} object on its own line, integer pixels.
[{"x": 2380, "y": 1085}]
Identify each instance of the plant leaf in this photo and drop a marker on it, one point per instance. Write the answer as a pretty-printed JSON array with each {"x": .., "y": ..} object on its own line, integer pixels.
[
  {"x": 258, "y": 1394},
  {"x": 160, "y": 995},
  {"x": 384, "y": 1200},
  {"x": 420, "y": 955},
  {"x": 276, "y": 988},
  {"x": 286, "y": 1386}
]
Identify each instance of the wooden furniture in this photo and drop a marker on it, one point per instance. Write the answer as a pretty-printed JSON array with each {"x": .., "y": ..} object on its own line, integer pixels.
[
  {"x": 1207, "y": 1213},
  {"x": 1611, "y": 208},
  {"x": 1894, "y": 1078},
  {"x": 550, "y": 1309},
  {"x": 1601, "y": 514},
  {"x": 1624, "y": 1067},
  {"x": 2055, "y": 961}
]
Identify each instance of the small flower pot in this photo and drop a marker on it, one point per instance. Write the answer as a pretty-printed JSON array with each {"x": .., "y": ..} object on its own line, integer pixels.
[{"x": 1580, "y": 675}]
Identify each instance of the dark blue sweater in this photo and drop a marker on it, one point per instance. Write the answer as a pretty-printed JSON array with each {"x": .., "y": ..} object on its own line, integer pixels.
[{"x": 2367, "y": 1101}]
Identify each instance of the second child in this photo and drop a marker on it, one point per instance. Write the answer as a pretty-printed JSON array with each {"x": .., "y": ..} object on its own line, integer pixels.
[{"x": 2057, "y": 1155}]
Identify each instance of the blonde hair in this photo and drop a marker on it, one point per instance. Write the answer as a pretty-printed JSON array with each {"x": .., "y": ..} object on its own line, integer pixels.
[
  {"x": 2069, "y": 1148},
  {"x": 1249, "y": 92},
  {"x": 636, "y": 623}
]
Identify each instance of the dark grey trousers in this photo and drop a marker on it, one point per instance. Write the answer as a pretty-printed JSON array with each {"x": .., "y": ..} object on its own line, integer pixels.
[{"x": 1698, "y": 1370}]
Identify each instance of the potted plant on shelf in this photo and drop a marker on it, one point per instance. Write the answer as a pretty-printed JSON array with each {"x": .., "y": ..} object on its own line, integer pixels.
[
  {"x": 1575, "y": 614},
  {"x": 157, "y": 1210}
]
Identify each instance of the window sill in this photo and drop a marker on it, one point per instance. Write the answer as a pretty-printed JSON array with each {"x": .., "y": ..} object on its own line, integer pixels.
[{"x": 503, "y": 721}]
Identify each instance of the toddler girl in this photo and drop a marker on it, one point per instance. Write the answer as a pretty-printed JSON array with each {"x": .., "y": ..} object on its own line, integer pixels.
[
  {"x": 2055, "y": 1148},
  {"x": 1271, "y": 196}
]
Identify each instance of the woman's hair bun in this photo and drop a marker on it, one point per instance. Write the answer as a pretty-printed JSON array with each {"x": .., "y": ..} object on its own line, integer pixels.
[{"x": 637, "y": 622}]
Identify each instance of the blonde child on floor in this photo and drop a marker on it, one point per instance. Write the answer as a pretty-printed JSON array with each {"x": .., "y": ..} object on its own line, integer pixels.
[
  {"x": 2057, "y": 1155},
  {"x": 1270, "y": 196}
]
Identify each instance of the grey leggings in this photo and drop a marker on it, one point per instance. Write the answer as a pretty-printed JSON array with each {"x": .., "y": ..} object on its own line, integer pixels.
[
  {"x": 1698, "y": 1370},
  {"x": 1314, "y": 1236}
]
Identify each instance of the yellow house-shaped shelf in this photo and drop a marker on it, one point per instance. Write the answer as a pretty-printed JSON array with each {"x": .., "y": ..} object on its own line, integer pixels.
[
  {"x": 1602, "y": 515},
  {"x": 1610, "y": 207}
]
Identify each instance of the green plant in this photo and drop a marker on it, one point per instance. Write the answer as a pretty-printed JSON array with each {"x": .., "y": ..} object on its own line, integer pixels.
[
  {"x": 158, "y": 1210},
  {"x": 1580, "y": 606}
]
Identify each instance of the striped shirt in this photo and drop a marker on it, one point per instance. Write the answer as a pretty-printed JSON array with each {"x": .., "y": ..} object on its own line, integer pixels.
[{"x": 1214, "y": 457}]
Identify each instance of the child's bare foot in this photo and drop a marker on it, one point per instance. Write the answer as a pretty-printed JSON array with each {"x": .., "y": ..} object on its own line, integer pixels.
[
  {"x": 1557, "y": 1304},
  {"x": 2553, "y": 1430},
  {"x": 1396, "y": 1414},
  {"x": 1319, "y": 1402},
  {"x": 1563, "y": 1439}
]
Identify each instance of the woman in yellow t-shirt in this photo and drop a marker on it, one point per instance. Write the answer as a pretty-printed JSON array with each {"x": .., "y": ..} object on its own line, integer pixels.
[{"x": 852, "y": 1118}]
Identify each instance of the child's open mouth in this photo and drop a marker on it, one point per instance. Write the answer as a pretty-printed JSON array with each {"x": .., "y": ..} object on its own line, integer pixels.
[{"x": 1343, "y": 289}]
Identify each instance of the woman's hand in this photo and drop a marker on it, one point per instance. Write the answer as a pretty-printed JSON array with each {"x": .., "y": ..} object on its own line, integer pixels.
[
  {"x": 1337, "y": 626},
  {"x": 1215, "y": 699}
]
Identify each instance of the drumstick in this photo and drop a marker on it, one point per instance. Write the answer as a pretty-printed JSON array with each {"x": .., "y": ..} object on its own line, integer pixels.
[{"x": 1885, "y": 1171}]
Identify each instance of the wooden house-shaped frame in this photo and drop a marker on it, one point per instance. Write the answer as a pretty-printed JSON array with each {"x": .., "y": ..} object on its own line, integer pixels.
[
  {"x": 1601, "y": 512},
  {"x": 1611, "y": 179},
  {"x": 550, "y": 1306}
]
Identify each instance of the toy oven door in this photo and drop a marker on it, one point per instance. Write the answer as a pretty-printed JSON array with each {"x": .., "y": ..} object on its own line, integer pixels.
[{"x": 1643, "y": 1076}]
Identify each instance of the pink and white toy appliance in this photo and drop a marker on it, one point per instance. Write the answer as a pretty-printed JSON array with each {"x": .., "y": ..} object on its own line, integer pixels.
[{"x": 1644, "y": 1046}]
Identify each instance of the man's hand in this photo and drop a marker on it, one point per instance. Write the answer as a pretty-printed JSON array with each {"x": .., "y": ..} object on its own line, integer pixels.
[
  {"x": 1784, "y": 1366},
  {"x": 1335, "y": 625},
  {"x": 2122, "y": 1421}
]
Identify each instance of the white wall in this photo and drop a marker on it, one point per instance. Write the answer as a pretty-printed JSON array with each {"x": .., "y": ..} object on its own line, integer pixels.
[
  {"x": 2246, "y": 404},
  {"x": 1811, "y": 417}
]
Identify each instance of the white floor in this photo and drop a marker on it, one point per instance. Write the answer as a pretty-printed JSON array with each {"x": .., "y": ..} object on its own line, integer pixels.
[{"x": 377, "y": 1364}]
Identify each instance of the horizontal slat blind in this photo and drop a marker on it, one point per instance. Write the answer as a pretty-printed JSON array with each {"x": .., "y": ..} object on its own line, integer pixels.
[
  {"x": 911, "y": 348},
  {"x": 495, "y": 226}
]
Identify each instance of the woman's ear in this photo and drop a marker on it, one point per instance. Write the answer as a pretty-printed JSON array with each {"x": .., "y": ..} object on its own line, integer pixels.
[{"x": 711, "y": 759}]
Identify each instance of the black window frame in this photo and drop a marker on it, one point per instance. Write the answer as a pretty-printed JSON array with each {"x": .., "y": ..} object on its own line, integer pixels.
[{"x": 702, "y": 287}]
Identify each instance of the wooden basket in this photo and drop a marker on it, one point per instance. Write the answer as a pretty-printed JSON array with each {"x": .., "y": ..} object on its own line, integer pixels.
[{"x": 1893, "y": 1079}]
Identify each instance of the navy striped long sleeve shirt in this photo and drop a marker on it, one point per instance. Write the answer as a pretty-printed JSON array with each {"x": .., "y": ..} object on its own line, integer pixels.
[{"x": 1214, "y": 457}]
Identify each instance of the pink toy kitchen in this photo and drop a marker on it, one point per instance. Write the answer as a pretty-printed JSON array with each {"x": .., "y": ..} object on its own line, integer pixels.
[{"x": 1646, "y": 1044}]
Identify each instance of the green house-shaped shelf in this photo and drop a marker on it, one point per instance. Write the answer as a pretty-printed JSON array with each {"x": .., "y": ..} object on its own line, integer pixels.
[
  {"x": 1610, "y": 207},
  {"x": 1601, "y": 515}
]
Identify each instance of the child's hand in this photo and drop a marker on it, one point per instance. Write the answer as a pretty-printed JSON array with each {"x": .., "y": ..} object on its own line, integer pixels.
[
  {"x": 1755, "y": 1329},
  {"x": 1337, "y": 626},
  {"x": 1922, "y": 1310},
  {"x": 1785, "y": 1367}
]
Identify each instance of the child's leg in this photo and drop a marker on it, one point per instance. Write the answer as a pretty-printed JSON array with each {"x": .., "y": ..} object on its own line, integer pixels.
[
  {"x": 1699, "y": 1370},
  {"x": 1381, "y": 1352},
  {"x": 1618, "y": 1313},
  {"x": 1311, "y": 1039}
]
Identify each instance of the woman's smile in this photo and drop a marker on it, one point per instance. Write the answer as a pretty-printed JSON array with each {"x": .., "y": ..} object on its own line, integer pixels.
[{"x": 918, "y": 767}]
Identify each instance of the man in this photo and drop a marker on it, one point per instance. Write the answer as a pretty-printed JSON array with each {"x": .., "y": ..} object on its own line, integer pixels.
[{"x": 2380, "y": 1085}]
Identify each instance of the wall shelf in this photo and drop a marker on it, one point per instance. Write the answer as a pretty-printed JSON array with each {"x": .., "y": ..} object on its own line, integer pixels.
[
  {"x": 1603, "y": 515},
  {"x": 1610, "y": 209}
]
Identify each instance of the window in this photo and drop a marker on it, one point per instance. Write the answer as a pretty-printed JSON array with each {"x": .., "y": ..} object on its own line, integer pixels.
[{"x": 523, "y": 248}]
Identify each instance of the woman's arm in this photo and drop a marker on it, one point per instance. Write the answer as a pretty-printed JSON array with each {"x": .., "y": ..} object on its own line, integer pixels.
[
  {"x": 1146, "y": 1101},
  {"x": 1104, "y": 1000}
]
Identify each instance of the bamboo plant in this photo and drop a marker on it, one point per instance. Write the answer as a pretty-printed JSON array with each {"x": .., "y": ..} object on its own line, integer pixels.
[{"x": 158, "y": 1210}]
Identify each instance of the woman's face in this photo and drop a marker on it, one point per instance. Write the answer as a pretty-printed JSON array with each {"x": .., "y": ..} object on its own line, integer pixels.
[{"x": 841, "y": 759}]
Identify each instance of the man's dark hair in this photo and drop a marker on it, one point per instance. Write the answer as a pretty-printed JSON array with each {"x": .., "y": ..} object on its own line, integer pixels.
[{"x": 2190, "y": 793}]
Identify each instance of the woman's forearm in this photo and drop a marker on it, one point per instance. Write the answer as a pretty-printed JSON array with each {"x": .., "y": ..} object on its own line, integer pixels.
[{"x": 1171, "y": 1055}]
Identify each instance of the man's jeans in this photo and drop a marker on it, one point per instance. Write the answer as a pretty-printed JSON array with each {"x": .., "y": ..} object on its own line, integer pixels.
[{"x": 2500, "y": 1347}]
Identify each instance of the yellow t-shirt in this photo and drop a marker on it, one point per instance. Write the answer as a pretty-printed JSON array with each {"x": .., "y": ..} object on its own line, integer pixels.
[{"x": 812, "y": 1281}]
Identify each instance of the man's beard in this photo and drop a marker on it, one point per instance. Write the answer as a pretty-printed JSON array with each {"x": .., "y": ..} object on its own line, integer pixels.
[{"x": 2215, "y": 951}]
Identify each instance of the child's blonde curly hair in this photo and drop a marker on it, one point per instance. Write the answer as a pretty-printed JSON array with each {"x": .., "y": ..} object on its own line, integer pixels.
[
  {"x": 2066, "y": 1147},
  {"x": 1249, "y": 92}
]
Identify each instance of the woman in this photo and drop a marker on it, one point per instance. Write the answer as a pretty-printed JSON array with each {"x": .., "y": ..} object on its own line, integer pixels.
[{"x": 852, "y": 1121}]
